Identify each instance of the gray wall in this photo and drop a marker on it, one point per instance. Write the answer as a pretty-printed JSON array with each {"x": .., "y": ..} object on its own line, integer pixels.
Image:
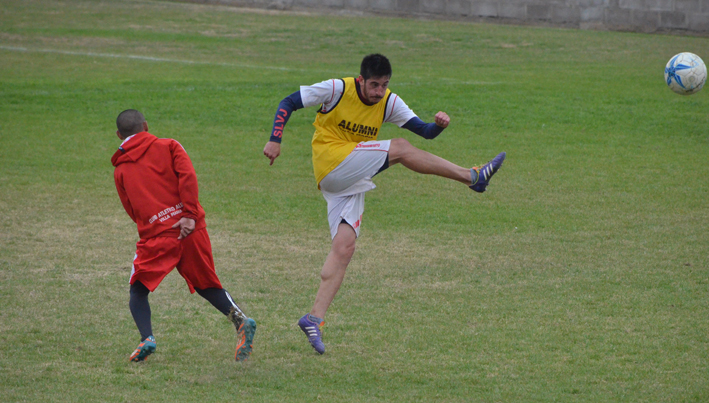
[{"x": 691, "y": 16}]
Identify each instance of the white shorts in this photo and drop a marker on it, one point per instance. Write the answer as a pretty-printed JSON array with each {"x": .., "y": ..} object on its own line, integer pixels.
[{"x": 344, "y": 187}]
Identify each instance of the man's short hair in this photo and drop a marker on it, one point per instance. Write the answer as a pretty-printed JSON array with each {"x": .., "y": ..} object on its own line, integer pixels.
[
  {"x": 130, "y": 122},
  {"x": 375, "y": 65}
]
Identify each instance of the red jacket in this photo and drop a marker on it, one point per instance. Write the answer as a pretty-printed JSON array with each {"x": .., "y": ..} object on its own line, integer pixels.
[{"x": 157, "y": 185}]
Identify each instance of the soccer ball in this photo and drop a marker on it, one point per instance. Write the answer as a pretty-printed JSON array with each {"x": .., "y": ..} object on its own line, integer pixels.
[{"x": 685, "y": 73}]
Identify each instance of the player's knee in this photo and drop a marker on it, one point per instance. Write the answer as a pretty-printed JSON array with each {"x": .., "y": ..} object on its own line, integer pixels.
[
  {"x": 137, "y": 289},
  {"x": 401, "y": 144},
  {"x": 343, "y": 248},
  {"x": 398, "y": 150}
]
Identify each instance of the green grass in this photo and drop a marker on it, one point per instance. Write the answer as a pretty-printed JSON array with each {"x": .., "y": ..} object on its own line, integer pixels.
[{"x": 582, "y": 275}]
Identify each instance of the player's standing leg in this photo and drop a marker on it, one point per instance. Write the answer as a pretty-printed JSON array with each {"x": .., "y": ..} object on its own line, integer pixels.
[
  {"x": 140, "y": 309},
  {"x": 154, "y": 259},
  {"x": 331, "y": 277},
  {"x": 333, "y": 271}
]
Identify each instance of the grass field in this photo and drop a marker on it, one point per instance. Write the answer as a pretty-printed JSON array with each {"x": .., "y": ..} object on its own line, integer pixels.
[{"x": 582, "y": 275}]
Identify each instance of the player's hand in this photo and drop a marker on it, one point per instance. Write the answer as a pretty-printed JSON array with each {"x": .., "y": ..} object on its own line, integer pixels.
[
  {"x": 186, "y": 227},
  {"x": 442, "y": 119},
  {"x": 272, "y": 151}
]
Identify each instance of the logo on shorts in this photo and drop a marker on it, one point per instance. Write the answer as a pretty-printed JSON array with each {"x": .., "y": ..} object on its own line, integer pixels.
[
  {"x": 356, "y": 225},
  {"x": 359, "y": 130},
  {"x": 371, "y": 145}
]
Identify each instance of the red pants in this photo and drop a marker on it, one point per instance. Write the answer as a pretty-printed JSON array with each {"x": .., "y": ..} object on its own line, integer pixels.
[{"x": 192, "y": 256}]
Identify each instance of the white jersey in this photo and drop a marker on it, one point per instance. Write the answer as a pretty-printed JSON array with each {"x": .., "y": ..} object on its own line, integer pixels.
[{"x": 329, "y": 92}]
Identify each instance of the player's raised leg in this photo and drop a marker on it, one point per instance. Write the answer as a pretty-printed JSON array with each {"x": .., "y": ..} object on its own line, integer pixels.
[
  {"x": 331, "y": 277},
  {"x": 423, "y": 162},
  {"x": 417, "y": 160}
]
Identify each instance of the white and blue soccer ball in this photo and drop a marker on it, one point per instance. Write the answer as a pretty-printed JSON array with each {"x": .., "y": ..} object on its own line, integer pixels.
[{"x": 685, "y": 73}]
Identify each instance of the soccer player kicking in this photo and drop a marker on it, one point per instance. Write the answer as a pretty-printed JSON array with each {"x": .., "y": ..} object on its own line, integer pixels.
[
  {"x": 157, "y": 185},
  {"x": 347, "y": 154}
]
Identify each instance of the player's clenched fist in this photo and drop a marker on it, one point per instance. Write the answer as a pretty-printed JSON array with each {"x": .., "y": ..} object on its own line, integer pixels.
[{"x": 442, "y": 119}]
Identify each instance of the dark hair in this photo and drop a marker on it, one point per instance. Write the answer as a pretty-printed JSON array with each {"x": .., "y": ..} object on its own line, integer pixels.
[
  {"x": 130, "y": 122},
  {"x": 375, "y": 65}
]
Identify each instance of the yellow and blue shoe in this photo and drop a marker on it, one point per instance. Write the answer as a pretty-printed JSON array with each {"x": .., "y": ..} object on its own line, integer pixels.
[
  {"x": 145, "y": 348},
  {"x": 480, "y": 177}
]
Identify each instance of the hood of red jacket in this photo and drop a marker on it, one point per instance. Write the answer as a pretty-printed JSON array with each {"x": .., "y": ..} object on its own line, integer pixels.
[{"x": 133, "y": 148}]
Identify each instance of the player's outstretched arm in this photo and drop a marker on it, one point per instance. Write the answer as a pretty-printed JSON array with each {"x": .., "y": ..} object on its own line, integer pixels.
[
  {"x": 288, "y": 105},
  {"x": 428, "y": 130}
]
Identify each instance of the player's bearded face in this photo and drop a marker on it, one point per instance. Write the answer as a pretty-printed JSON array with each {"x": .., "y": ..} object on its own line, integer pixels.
[{"x": 374, "y": 88}]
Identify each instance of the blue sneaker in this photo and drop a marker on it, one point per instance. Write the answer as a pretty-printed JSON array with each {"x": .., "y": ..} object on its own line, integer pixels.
[
  {"x": 312, "y": 330},
  {"x": 145, "y": 348},
  {"x": 481, "y": 176}
]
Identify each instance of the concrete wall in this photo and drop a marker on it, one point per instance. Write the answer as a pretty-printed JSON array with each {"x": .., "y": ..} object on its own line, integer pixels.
[{"x": 691, "y": 16}]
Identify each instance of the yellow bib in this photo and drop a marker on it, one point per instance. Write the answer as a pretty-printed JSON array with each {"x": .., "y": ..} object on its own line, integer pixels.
[{"x": 338, "y": 131}]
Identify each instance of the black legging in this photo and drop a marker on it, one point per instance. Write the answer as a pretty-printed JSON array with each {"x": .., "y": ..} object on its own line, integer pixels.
[{"x": 140, "y": 307}]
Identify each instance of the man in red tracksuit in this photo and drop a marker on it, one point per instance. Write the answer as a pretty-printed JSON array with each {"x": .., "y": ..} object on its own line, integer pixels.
[{"x": 157, "y": 185}]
